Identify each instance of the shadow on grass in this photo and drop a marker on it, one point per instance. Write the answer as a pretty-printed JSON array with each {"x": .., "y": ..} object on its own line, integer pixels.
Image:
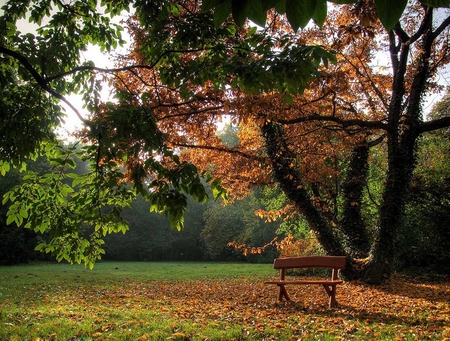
[{"x": 431, "y": 288}]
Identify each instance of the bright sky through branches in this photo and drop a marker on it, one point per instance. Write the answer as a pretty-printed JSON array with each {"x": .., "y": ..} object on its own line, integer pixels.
[{"x": 101, "y": 60}]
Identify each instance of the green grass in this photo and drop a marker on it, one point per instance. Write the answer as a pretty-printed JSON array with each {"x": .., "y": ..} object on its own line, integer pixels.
[
  {"x": 48, "y": 301},
  {"x": 207, "y": 301},
  {"x": 107, "y": 272}
]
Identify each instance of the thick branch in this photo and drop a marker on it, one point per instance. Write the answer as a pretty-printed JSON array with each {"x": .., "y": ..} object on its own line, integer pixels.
[
  {"x": 344, "y": 123},
  {"x": 424, "y": 25},
  {"x": 398, "y": 85},
  {"x": 401, "y": 34},
  {"x": 292, "y": 185},
  {"x": 393, "y": 49},
  {"x": 420, "y": 79},
  {"x": 441, "y": 27},
  {"x": 41, "y": 81},
  {"x": 190, "y": 113},
  {"x": 434, "y": 125}
]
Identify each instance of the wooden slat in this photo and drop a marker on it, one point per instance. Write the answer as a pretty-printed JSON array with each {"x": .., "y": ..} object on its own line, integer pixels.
[
  {"x": 331, "y": 262},
  {"x": 304, "y": 282}
]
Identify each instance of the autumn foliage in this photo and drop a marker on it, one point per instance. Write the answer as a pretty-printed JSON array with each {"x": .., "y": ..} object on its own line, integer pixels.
[{"x": 287, "y": 247}]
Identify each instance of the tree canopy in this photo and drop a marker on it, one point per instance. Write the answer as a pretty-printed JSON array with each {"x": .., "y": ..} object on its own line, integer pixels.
[{"x": 310, "y": 107}]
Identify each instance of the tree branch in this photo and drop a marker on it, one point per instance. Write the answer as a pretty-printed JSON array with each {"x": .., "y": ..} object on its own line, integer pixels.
[
  {"x": 424, "y": 25},
  {"x": 219, "y": 149},
  {"x": 198, "y": 111},
  {"x": 441, "y": 27},
  {"x": 343, "y": 123},
  {"x": 434, "y": 125},
  {"x": 368, "y": 77},
  {"x": 41, "y": 81},
  {"x": 120, "y": 69}
]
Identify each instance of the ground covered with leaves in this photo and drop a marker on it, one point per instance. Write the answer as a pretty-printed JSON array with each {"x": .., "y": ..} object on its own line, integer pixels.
[{"x": 403, "y": 308}]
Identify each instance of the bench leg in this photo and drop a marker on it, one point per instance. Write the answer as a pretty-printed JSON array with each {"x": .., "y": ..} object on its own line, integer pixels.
[
  {"x": 331, "y": 291},
  {"x": 282, "y": 293}
]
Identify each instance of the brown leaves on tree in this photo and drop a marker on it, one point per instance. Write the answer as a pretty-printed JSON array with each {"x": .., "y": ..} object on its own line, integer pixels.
[{"x": 321, "y": 146}]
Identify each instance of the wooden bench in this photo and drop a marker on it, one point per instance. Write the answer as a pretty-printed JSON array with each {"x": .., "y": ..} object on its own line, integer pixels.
[{"x": 335, "y": 263}]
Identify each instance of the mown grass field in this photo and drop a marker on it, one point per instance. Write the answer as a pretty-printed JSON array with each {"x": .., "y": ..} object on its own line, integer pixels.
[{"x": 209, "y": 301}]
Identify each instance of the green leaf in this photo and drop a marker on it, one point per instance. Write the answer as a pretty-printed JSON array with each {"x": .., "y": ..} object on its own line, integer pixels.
[
  {"x": 218, "y": 190},
  {"x": 18, "y": 220},
  {"x": 390, "y": 12},
  {"x": 6, "y": 198},
  {"x": 299, "y": 13},
  {"x": 268, "y": 4},
  {"x": 281, "y": 7},
  {"x": 320, "y": 13},
  {"x": 239, "y": 11},
  {"x": 11, "y": 25},
  {"x": 65, "y": 190},
  {"x": 257, "y": 13},
  {"x": 209, "y": 4},
  {"x": 40, "y": 247},
  {"x": 72, "y": 175},
  {"x": 23, "y": 213},
  {"x": 77, "y": 181},
  {"x": 221, "y": 13},
  {"x": 10, "y": 219},
  {"x": 436, "y": 3},
  {"x": 251, "y": 31},
  {"x": 4, "y": 168}
]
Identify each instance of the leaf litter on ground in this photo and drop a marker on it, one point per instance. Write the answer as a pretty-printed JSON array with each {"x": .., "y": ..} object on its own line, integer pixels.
[{"x": 403, "y": 308}]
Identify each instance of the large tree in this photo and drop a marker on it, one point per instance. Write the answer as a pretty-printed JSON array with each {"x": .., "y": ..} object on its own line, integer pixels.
[
  {"x": 316, "y": 144},
  {"x": 188, "y": 67}
]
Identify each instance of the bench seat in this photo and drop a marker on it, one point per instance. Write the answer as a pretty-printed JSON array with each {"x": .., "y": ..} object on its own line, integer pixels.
[{"x": 313, "y": 281}]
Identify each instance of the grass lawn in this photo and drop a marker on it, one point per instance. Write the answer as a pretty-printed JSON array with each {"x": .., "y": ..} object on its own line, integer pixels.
[{"x": 209, "y": 301}]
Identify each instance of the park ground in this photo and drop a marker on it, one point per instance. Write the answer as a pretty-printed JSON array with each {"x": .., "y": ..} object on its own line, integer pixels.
[{"x": 210, "y": 301}]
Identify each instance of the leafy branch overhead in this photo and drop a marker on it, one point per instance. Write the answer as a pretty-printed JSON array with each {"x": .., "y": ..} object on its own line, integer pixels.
[{"x": 299, "y": 13}]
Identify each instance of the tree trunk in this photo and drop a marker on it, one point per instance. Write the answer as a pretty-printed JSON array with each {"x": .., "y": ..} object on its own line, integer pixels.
[
  {"x": 402, "y": 136},
  {"x": 290, "y": 181},
  {"x": 391, "y": 212},
  {"x": 355, "y": 237}
]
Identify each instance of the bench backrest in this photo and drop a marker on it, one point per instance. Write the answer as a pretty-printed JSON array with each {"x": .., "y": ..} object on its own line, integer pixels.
[{"x": 330, "y": 262}]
